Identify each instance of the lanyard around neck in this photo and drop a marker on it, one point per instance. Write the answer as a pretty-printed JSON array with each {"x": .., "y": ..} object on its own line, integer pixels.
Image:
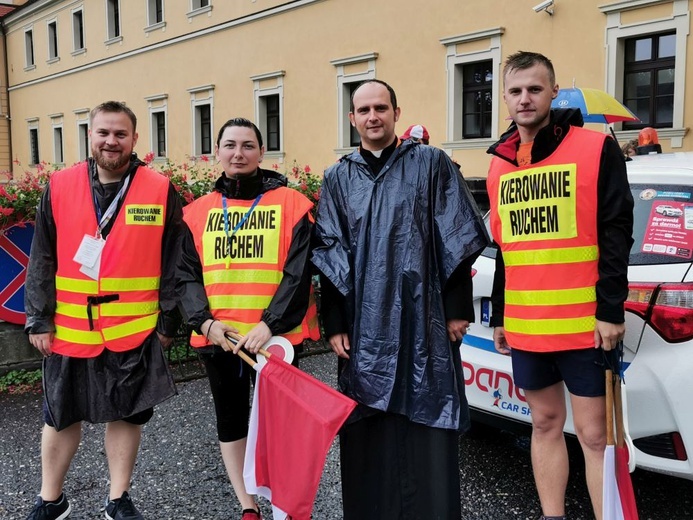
[
  {"x": 106, "y": 217},
  {"x": 240, "y": 223}
]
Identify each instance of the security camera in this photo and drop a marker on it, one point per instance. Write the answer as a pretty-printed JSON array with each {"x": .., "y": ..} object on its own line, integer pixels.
[{"x": 544, "y": 6}]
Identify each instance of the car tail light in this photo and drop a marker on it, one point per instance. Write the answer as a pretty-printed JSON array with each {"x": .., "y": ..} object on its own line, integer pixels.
[
  {"x": 473, "y": 272},
  {"x": 667, "y": 308}
]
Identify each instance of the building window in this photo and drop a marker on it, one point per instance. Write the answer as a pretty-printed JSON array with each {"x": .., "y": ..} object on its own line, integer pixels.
[
  {"x": 83, "y": 141},
  {"x": 33, "y": 146},
  {"x": 199, "y": 4},
  {"x": 77, "y": 31},
  {"x": 29, "y": 48},
  {"x": 268, "y": 91},
  {"x": 648, "y": 82},
  {"x": 477, "y": 99},
  {"x": 52, "y": 41},
  {"x": 155, "y": 11},
  {"x": 354, "y": 137},
  {"x": 646, "y": 66},
  {"x": 350, "y": 73},
  {"x": 58, "y": 156},
  {"x": 202, "y": 113},
  {"x": 159, "y": 134},
  {"x": 113, "y": 18},
  {"x": 272, "y": 134},
  {"x": 203, "y": 129},
  {"x": 472, "y": 109}
]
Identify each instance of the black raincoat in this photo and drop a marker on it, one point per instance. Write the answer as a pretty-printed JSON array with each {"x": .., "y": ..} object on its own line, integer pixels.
[{"x": 389, "y": 242}]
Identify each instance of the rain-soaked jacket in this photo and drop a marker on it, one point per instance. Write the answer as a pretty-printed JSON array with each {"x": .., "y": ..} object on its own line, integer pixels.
[{"x": 389, "y": 243}]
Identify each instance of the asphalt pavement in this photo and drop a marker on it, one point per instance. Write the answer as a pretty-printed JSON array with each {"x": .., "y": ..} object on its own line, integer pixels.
[{"x": 180, "y": 475}]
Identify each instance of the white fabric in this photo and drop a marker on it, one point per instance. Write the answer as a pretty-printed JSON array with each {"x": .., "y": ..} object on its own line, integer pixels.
[{"x": 611, "y": 500}]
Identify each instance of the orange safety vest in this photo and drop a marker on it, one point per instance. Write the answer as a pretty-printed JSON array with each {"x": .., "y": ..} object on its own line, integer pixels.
[
  {"x": 124, "y": 301},
  {"x": 242, "y": 275},
  {"x": 544, "y": 218}
]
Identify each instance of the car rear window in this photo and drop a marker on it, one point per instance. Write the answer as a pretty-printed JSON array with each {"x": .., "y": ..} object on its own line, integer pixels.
[{"x": 662, "y": 224}]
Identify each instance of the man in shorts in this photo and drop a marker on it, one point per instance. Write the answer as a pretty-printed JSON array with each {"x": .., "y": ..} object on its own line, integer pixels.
[{"x": 562, "y": 215}]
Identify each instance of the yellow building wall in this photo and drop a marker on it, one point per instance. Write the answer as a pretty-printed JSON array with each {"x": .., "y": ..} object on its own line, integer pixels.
[{"x": 302, "y": 40}]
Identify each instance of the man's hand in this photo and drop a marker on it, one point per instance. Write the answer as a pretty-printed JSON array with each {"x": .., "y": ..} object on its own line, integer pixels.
[
  {"x": 499, "y": 341},
  {"x": 607, "y": 335},
  {"x": 255, "y": 339},
  {"x": 340, "y": 345},
  {"x": 166, "y": 341},
  {"x": 43, "y": 342},
  {"x": 457, "y": 329}
]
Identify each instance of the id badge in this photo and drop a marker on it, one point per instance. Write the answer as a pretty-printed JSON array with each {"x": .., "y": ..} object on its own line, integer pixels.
[{"x": 89, "y": 255}]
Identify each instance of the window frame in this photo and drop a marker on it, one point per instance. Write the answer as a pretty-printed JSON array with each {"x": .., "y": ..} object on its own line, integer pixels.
[
  {"x": 347, "y": 76},
  {"x": 34, "y": 141},
  {"x": 29, "y": 50},
  {"x": 265, "y": 86},
  {"x": 199, "y": 97},
  {"x": 82, "y": 122},
  {"x": 152, "y": 22},
  {"x": 79, "y": 34},
  {"x": 58, "y": 144},
  {"x": 652, "y": 66},
  {"x": 114, "y": 27},
  {"x": 617, "y": 32},
  {"x": 53, "y": 41},
  {"x": 158, "y": 105},
  {"x": 458, "y": 55},
  {"x": 486, "y": 88}
]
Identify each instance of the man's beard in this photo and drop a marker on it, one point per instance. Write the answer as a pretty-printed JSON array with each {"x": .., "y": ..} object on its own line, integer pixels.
[{"x": 110, "y": 164}]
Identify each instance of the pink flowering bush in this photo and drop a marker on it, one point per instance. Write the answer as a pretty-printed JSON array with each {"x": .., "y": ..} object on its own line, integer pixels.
[
  {"x": 303, "y": 180},
  {"x": 20, "y": 198},
  {"x": 191, "y": 179}
]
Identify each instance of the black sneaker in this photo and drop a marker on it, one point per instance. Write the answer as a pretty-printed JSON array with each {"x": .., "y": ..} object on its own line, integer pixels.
[
  {"x": 56, "y": 510},
  {"x": 122, "y": 509}
]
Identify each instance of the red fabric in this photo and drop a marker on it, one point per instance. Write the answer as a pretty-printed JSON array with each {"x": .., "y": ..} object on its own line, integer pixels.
[
  {"x": 298, "y": 419},
  {"x": 625, "y": 485}
]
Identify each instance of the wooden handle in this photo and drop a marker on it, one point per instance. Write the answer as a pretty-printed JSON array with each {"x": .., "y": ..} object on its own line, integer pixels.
[
  {"x": 234, "y": 338},
  {"x": 618, "y": 412},
  {"x": 609, "y": 407}
]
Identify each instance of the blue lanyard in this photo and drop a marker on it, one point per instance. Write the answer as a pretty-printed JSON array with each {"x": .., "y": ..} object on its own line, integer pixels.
[{"x": 240, "y": 224}]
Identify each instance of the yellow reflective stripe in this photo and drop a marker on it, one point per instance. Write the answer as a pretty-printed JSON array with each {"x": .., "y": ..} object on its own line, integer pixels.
[
  {"x": 149, "y": 283},
  {"x": 242, "y": 276},
  {"x": 76, "y": 285},
  {"x": 551, "y": 297},
  {"x": 536, "y": 327},
  {"x": 565, "y": 255},
  {"x": 130, "y": 328},
  {"x": 223, "y": 301},
  {"x": 85, "y": 337},
  {"x": 74, "y": 310},
  {"x": 129, "y": 309}
]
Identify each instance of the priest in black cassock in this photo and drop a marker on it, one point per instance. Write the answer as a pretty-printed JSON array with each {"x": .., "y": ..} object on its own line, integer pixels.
[{"x": 397, "y": 232}]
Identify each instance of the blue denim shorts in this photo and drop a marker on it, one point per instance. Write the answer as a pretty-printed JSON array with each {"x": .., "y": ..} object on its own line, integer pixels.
[{"x": 582, "y": 370}]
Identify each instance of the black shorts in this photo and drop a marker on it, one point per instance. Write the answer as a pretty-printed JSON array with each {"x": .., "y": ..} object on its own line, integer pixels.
[{"x": 582, "y": 370}]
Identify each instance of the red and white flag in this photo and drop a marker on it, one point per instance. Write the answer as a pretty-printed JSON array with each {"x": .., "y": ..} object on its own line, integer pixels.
[
  {"x": 618, "y": 497},
  {"x": 293, "y": 421}
]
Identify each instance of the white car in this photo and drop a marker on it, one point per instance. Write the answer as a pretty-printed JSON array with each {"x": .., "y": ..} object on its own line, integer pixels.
[
  {"x": 669, "y": 211},
  {"x": 659, "y": 326}
]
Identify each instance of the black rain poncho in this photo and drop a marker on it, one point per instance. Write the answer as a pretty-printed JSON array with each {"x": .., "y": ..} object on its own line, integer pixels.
[{"x": 389, "y": 243}]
